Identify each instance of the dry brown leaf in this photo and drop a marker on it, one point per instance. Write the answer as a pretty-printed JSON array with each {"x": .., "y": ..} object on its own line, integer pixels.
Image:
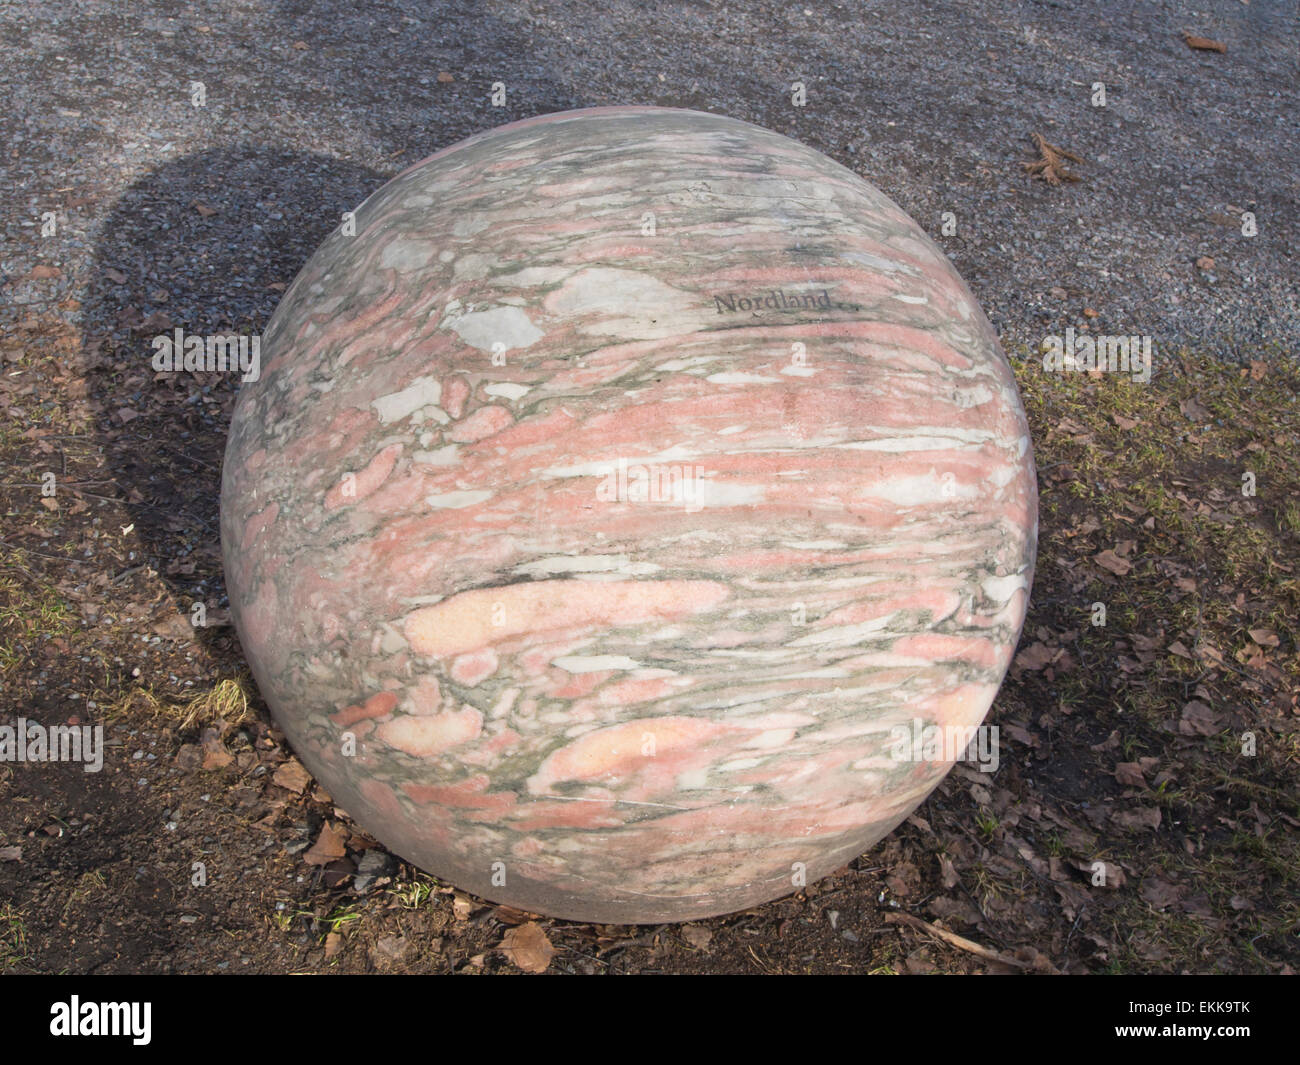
[
  {"x": 1108, "y": 560},
  {"x": 445, "y": 76},
  {"x": 292, "y": 776},
  {"x": 527, "y": 947},
  {"x": 1109, "y": 743},
  {"x": 697, "y": 936},
  {"x": 1199, "y": 720},
  {"x": 508, "y": 915},
  {"x": 1203, "y": 44},
  {"x": 1130, "y": 774},
  {"x": 333, "y": 944},
  {"x": 1160, "y": 893},
  {"x": 215, "y": 755},
  {"x": 330, "y": 845},
  {"x": 1036, "y": 656},
  {"x": 1142, "y": 817},
  {"x": 1264, "y": 637}
]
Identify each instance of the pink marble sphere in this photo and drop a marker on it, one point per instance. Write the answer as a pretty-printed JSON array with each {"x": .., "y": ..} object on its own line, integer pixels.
[{"x": 607, "y": 501}]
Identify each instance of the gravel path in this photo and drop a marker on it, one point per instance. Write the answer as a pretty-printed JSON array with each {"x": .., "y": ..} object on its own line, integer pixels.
[{"x": 311, "y": 106}]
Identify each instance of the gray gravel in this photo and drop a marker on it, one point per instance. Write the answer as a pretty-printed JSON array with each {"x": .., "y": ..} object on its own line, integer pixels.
[{"x": 310, "y": 106}]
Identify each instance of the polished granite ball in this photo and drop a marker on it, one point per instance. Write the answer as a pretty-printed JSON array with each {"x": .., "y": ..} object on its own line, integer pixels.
[{"x": 623, "y": 493}]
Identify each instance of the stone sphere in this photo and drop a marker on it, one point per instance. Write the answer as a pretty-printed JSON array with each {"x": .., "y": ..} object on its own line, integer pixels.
[{"x": 619, "y": 494}]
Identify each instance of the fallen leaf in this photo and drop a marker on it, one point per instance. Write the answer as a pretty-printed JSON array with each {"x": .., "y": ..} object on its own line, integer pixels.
[
  {"x": 204, "y": 209},
  {"x": 1199, "y": 720},
  {"x": 174, "y": 627},
  {"x": 1035, "y": 656},
  {"x": 1143, "y": 817},
  {"x": 697, "y": 936},
  {"x": 11, "y": 854},
  {"x": 508, "y": 915},
  {"x": 1203, "y": 44},
  {"x": 1193, "y": 409},
  {"x": 215, "y": 755},
  {"x": 329, "y": 845},
  {"x": 1108, "y": 560},
  {"x": 1205, "y": 263},
  {"x": 1109, "y": 743},
  {"x": 389, "y": 949},
  {"x": 1130, "y": 775},
  {"x": 42, "y": 273},
  {"x": 527, "y": 947},
  {"x": 1264, "y": 637},
  {"x": 1112, "y": 878},
  {"x": 445, "y": 76},
  {"x": 1160, "y": 893},
  {"x": 292, "y": 776},
  {"x": 333, "y": 944}
]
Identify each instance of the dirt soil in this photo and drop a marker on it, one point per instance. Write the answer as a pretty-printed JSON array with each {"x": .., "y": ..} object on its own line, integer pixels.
[{"x": 1144, "y": 816}]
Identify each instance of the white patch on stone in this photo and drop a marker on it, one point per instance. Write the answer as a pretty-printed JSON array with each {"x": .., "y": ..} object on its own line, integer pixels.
[
  {"x": 798, "y": 371},
  {"x": 844, "y": 635},
  {"x": 443, "y": 456},
  {"x": 675, "y": 454},
  {"x": 816, "y": 545},
  {"x": 972, "y": 397},
  {"x": 468, "y": 225},
  {"x": 693, "y": 779},
  {"x": 499, "y": 325},
  {"x": 674, "y": 365},
  {"x": 593, "y": 663},
  {"x": 740, "y": 763},
  {"x": 888, "y": 266},
  {"x": 917, "y": 491},
  {"x": 405, "y": 255},
  {"x": 732, "y": 429},
  {"x": 740, "y": 379},
  {"x": 910, "y": 299},
  {"x": 586, "y": 564},
  {"x": 626, "y": 303},
  {"x": 914, "y": 443},
  {"x": 507, "y": 390},
  {"x": 423, "y": 391},
  {"x": 456, "y": 500},
  {"x": 1001, "y": 589}
]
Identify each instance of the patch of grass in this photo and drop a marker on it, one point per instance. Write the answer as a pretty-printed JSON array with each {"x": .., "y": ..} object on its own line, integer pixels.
[
  {"x": 32, "y": 612},
  {"x": 13, "y": 937},
  {"x": 227, "y": 701},
  {"x": 415, "y": 894},
  {"x": 88, "y": 885}
]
